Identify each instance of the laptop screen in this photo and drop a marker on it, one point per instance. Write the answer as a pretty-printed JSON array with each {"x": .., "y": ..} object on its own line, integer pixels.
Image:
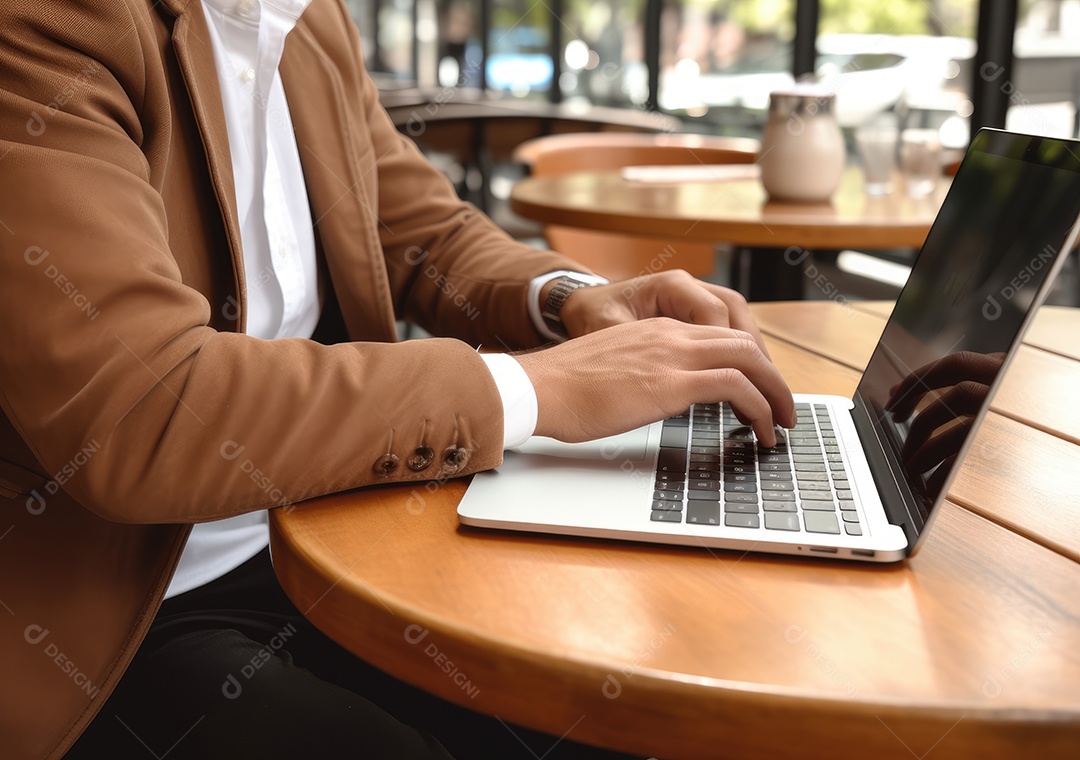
[{"x": 994, "y": 244}]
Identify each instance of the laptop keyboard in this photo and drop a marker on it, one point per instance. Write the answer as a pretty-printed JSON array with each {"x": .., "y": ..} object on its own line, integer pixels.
[{"x": 711, "y": 471}]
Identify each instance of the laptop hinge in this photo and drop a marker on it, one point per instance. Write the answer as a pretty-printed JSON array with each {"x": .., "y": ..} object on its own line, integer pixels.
[{"x": 900, "y": 504}]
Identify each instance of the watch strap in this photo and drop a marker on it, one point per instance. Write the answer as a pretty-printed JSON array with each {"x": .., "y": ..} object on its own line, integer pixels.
[{"x": 560, "y": 291}]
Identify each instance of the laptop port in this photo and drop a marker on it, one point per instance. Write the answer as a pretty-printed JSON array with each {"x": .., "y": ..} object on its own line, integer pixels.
[
  {"x": 823, "y": 549},
  {"x": 862, "y": 553}
]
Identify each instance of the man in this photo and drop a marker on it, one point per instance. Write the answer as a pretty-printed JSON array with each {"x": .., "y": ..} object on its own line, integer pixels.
[{"x": 201, "y": 278}]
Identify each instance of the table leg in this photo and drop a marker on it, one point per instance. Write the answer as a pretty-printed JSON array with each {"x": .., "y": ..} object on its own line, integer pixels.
[{"x": 768, "y": 274}]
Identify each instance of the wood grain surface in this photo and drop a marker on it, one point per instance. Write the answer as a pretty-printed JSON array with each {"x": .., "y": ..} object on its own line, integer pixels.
[
  {"x": 971, "y": 648},
  {"x": 736, "y": 211}
]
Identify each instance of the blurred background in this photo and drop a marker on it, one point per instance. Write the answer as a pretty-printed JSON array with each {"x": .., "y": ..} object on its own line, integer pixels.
[
  {"x": 471, "y": 80},
  {"x": 712, "y": 63}
]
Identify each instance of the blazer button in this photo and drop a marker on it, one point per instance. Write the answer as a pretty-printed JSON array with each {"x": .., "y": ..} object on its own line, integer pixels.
[
  {"x": 421, "y": 459},
  {"x": 454, "y": 458},
  {"x": 385, "y": 465}
]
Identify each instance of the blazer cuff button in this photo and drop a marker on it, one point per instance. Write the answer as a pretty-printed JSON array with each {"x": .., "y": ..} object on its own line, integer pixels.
[
  {"x": 385, "y": 465},
  {"x": 421, "y": 459},
  {"x": 454, "y": 458}
]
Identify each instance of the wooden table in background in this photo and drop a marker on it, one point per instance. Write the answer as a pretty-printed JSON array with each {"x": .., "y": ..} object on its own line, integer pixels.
[
  {"x": 737, "y": 212},
  {"x": 969, "y": 649}
]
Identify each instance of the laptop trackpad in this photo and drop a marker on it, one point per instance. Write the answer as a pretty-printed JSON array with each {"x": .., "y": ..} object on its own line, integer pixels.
[{"x": 627, "y": 446}]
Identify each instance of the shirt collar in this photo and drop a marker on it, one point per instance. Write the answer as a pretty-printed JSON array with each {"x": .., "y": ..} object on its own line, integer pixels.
[{"x": 250, "y": 9}]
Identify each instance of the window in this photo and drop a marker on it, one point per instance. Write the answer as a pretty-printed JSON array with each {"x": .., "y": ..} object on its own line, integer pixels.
[
  {"x": 603, "y": 55},
  {"x": 386, "y": 33},
  {"x": 459, "y": 53},
  {"x": 719, "y": 59},
  {"x": 910, "y": 58},
  {"x": 519, "y": 49},
  {"x": 1043, "y": 99}
]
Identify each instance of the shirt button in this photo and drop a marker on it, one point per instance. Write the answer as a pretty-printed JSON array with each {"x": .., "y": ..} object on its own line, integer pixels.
[
  {"x": 247, "y": 75},
  {"x": 421, "y": 459},
  {"x": 454, "y": 458},
  {"x": 245, "y": 7},
  {"x": 385, "y": 465}
]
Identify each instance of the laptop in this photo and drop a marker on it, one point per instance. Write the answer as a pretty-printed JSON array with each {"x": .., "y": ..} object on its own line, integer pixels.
[{"x": 859, "y": 478}]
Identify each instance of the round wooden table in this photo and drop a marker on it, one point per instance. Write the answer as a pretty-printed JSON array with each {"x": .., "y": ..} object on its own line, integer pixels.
[
  {"x": 969, "y": 649},
  {"x": 734, "y": 211}
]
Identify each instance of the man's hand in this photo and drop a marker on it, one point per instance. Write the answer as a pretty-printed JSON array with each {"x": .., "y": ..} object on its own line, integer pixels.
[
  {"x": 647, "y": 348},
  {"x": 674, "y": 294}
]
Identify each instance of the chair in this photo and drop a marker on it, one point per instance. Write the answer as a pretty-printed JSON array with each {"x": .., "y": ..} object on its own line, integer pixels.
[{"x": 613, "y": 255}]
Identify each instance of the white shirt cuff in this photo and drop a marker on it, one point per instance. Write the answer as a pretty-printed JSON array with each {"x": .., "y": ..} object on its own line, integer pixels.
[
  {"x": 518, "y": 398},
  {"x": 537, "y": 284}
]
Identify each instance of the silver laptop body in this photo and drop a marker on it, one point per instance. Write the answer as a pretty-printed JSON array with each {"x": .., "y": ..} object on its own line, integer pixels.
[{"x": 887, "y": 455}]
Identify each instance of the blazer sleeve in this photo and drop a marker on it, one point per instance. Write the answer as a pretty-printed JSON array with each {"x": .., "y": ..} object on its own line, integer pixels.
[{"x": 105, "y": 349}]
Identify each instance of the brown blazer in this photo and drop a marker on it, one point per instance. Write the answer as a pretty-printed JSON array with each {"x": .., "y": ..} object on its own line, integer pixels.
[{"x": 133, "y": 405}]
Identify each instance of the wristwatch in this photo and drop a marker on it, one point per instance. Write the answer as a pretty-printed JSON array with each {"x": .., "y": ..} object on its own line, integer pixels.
[{"x": 560, "y": 291}]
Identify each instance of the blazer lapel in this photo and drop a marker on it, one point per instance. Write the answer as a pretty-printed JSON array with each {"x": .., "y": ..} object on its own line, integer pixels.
[
  {"x": 338, "y": 184},
  {"x": 343, "y": 214},
  {"x": 191, "y": 41}
]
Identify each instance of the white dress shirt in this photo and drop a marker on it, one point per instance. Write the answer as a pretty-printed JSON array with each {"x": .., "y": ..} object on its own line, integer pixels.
[{"x": 276, "y": 233}]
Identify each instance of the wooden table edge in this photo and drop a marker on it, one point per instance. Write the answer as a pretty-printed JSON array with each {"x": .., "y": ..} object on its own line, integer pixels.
[
  {"x": 726, "y": 704},
  {"x": 807, "y": 233}
]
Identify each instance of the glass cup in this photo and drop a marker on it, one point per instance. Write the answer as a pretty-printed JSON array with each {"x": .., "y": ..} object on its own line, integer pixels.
[
  {"x": 920, "y": 159},
  {"x": 877, "y": 152}
]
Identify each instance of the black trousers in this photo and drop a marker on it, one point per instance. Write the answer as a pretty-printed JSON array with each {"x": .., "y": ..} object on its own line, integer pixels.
[{"x": 233, "y": 670}]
